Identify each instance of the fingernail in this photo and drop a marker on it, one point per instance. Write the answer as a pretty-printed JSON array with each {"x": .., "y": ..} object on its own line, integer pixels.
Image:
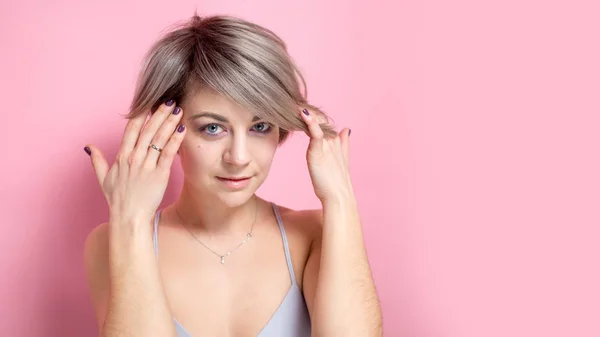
[
  {"x": 305, "y": 112},
  {"x": 169, "y": 102},
  {"x": 349, "y": 132},
  {"x": 87, "y": 150},
  {"x": 181, "y": 128},
  {"x": 176, "y": 111}
]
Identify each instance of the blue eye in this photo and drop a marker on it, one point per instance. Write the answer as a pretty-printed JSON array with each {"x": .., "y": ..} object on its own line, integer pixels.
[
  {"x": 216, "y": 129},
  {"x": 262, "y": 127},
  {"x": 211, "y": 129}
]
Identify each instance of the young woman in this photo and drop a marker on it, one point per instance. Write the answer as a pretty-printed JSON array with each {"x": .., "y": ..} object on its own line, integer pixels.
[{"x": 222, "y": 94}]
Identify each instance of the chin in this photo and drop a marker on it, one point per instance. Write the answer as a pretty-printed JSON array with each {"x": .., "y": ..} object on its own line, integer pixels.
[{"x": 234, "y": 197}]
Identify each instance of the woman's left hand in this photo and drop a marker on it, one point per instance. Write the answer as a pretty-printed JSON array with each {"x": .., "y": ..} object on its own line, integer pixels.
[{"x": 328, "y": 160}]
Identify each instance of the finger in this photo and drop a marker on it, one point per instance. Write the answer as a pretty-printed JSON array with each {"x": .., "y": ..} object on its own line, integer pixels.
[
  {"x": 149, "y": 131},
  {"x": 344, "y": 136},
  {"x": 99, "y": 163},
  {"x": 165, "y": 160},
  {"x": 318, "y": 116},
  {"x": 161, "y": 138},
  {"x": 131, "y": 134},
  {"x": 314, "y": 129}
]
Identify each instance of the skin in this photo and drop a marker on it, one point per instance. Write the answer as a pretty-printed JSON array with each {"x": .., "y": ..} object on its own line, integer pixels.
[{"x": 134, "y": 294}]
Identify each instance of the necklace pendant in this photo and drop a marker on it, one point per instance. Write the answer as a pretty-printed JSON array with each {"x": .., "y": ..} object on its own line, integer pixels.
[{"x": 222, "y": 260}]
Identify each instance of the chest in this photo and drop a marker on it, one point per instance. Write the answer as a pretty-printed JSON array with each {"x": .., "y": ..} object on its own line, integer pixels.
[{"x": 238, "y": 298}]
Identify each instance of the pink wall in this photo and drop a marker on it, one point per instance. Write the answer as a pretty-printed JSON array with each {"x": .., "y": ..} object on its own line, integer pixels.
[{"x": 475, "y": 152}]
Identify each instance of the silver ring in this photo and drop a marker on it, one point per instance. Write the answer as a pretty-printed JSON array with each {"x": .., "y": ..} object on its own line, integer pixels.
[{"x": 155, "y": 147}]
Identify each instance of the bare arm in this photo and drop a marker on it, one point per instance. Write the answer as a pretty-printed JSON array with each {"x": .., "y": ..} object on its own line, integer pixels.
[
  {"x": 121, "y": 265},
  {"x": 338, "y": 284},
  {"x": 137, "y": 303},
  {"x": 125, "y": 285}
]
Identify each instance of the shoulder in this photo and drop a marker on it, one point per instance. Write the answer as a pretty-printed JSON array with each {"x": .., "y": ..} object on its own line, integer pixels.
[
  {"x": 95, "y": 258},
  {"x": 303, "y": 230},
  {"x": 96, "y": 246},
  {"x": 307, "y": 222}
]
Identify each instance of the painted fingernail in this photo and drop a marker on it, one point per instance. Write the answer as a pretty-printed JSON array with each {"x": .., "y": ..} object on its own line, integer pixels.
[
  {"x": 87, "y": 150},
  {"x": 305, "y": 112},
  {"x": 176, "y": 111},
  {"x": 181, "y": 128},
  {"x": 169, "y": 102},
  {"x": 349, "y": 132}
]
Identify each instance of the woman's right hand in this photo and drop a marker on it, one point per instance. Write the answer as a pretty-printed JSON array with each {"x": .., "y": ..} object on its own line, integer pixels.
[{"x": 135, "y": 184}]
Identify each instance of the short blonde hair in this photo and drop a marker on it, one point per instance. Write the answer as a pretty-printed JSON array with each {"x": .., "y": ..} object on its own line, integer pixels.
[{"x": 241, "y": 60}]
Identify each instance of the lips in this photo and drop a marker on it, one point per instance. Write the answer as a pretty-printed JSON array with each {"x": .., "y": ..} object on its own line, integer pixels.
[
  {"x": 233, "y": 178},
  {"x": 234, "y": 183}
]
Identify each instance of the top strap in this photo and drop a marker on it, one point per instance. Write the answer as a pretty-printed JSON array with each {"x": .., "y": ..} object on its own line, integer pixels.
[
  {"x": 155, "y": 234},
  {"x": 286, "y": 247}
]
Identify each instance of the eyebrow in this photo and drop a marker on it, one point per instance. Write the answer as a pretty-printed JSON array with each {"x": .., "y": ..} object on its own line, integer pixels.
[{"x": 216, "y": 116}]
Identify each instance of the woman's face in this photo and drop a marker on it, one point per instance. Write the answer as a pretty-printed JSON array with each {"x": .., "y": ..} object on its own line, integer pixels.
[{"x": 224, "y": 143}]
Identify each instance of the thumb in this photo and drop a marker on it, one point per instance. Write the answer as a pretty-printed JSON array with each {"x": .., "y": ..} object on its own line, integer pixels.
[{"x": 98, "y": 162}]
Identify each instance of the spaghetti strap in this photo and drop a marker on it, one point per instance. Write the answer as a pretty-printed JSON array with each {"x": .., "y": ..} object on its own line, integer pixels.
[
  {"x": 291, "y": 317},
  {"x": 155, "y": 233},
  {"x": 286, "y": 247}
]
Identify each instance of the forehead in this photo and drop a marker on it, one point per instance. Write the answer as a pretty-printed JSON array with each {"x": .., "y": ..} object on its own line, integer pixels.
[{"x": 205, "y": 99}]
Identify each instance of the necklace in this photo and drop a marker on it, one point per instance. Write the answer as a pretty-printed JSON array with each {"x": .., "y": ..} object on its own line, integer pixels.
[{"x": 223, "y": 256}]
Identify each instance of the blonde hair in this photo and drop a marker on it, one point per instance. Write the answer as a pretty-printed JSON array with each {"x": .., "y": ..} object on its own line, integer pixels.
[{"x": 241, "y": 60}]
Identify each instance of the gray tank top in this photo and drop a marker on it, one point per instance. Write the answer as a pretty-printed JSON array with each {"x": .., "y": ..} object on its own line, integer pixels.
[{"x": 291, "y": 318}]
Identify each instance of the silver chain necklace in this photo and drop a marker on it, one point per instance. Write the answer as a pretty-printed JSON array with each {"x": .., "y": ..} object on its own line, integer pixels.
[{"x": 222, "y": 256}]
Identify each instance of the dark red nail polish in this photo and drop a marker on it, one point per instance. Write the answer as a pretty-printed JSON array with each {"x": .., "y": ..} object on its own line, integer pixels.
[
  {"x": 87, "y": 150},
  {"x": 181, "y": 128},
  {"x": 169, "y": 102},
  {"x": 349, "y": 132},
  {"x": 176, "y": 111},
  {"x": 305, "y": 112}
]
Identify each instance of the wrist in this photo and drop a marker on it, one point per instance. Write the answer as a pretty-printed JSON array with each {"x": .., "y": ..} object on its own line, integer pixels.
[
  {"x": 129, "y": 226},
  {"x": 340, "y": 210},
  {"x": 129, "y": 218},
  {"x": 341, "y": 218},
  {"x": 341, "y": 200}
]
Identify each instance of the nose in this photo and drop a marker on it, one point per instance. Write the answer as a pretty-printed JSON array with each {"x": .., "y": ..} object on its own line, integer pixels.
[{"x": 237, "y": 152}]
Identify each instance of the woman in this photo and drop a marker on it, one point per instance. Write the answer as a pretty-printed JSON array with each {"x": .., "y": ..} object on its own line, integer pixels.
[{"x": 223, "y": 94}]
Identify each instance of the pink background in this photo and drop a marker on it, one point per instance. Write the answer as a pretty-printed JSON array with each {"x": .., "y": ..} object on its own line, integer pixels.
[{"x": 476, "y": 129}]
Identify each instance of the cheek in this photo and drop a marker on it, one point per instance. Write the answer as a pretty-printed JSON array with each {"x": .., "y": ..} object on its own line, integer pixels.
[
  {"x": 201, "y": 155},
  {"x": 264, "y": 153}
]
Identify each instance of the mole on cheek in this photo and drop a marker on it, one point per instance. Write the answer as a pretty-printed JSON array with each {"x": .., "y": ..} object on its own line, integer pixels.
[{"x": 202, "y": 148}]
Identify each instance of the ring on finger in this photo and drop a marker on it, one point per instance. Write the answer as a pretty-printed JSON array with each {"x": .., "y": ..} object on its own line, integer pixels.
[{"x": 155, "y": 147}]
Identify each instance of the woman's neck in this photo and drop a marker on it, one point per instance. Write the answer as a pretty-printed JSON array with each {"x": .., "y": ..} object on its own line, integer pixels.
[{"x": 212, "y": 216}]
